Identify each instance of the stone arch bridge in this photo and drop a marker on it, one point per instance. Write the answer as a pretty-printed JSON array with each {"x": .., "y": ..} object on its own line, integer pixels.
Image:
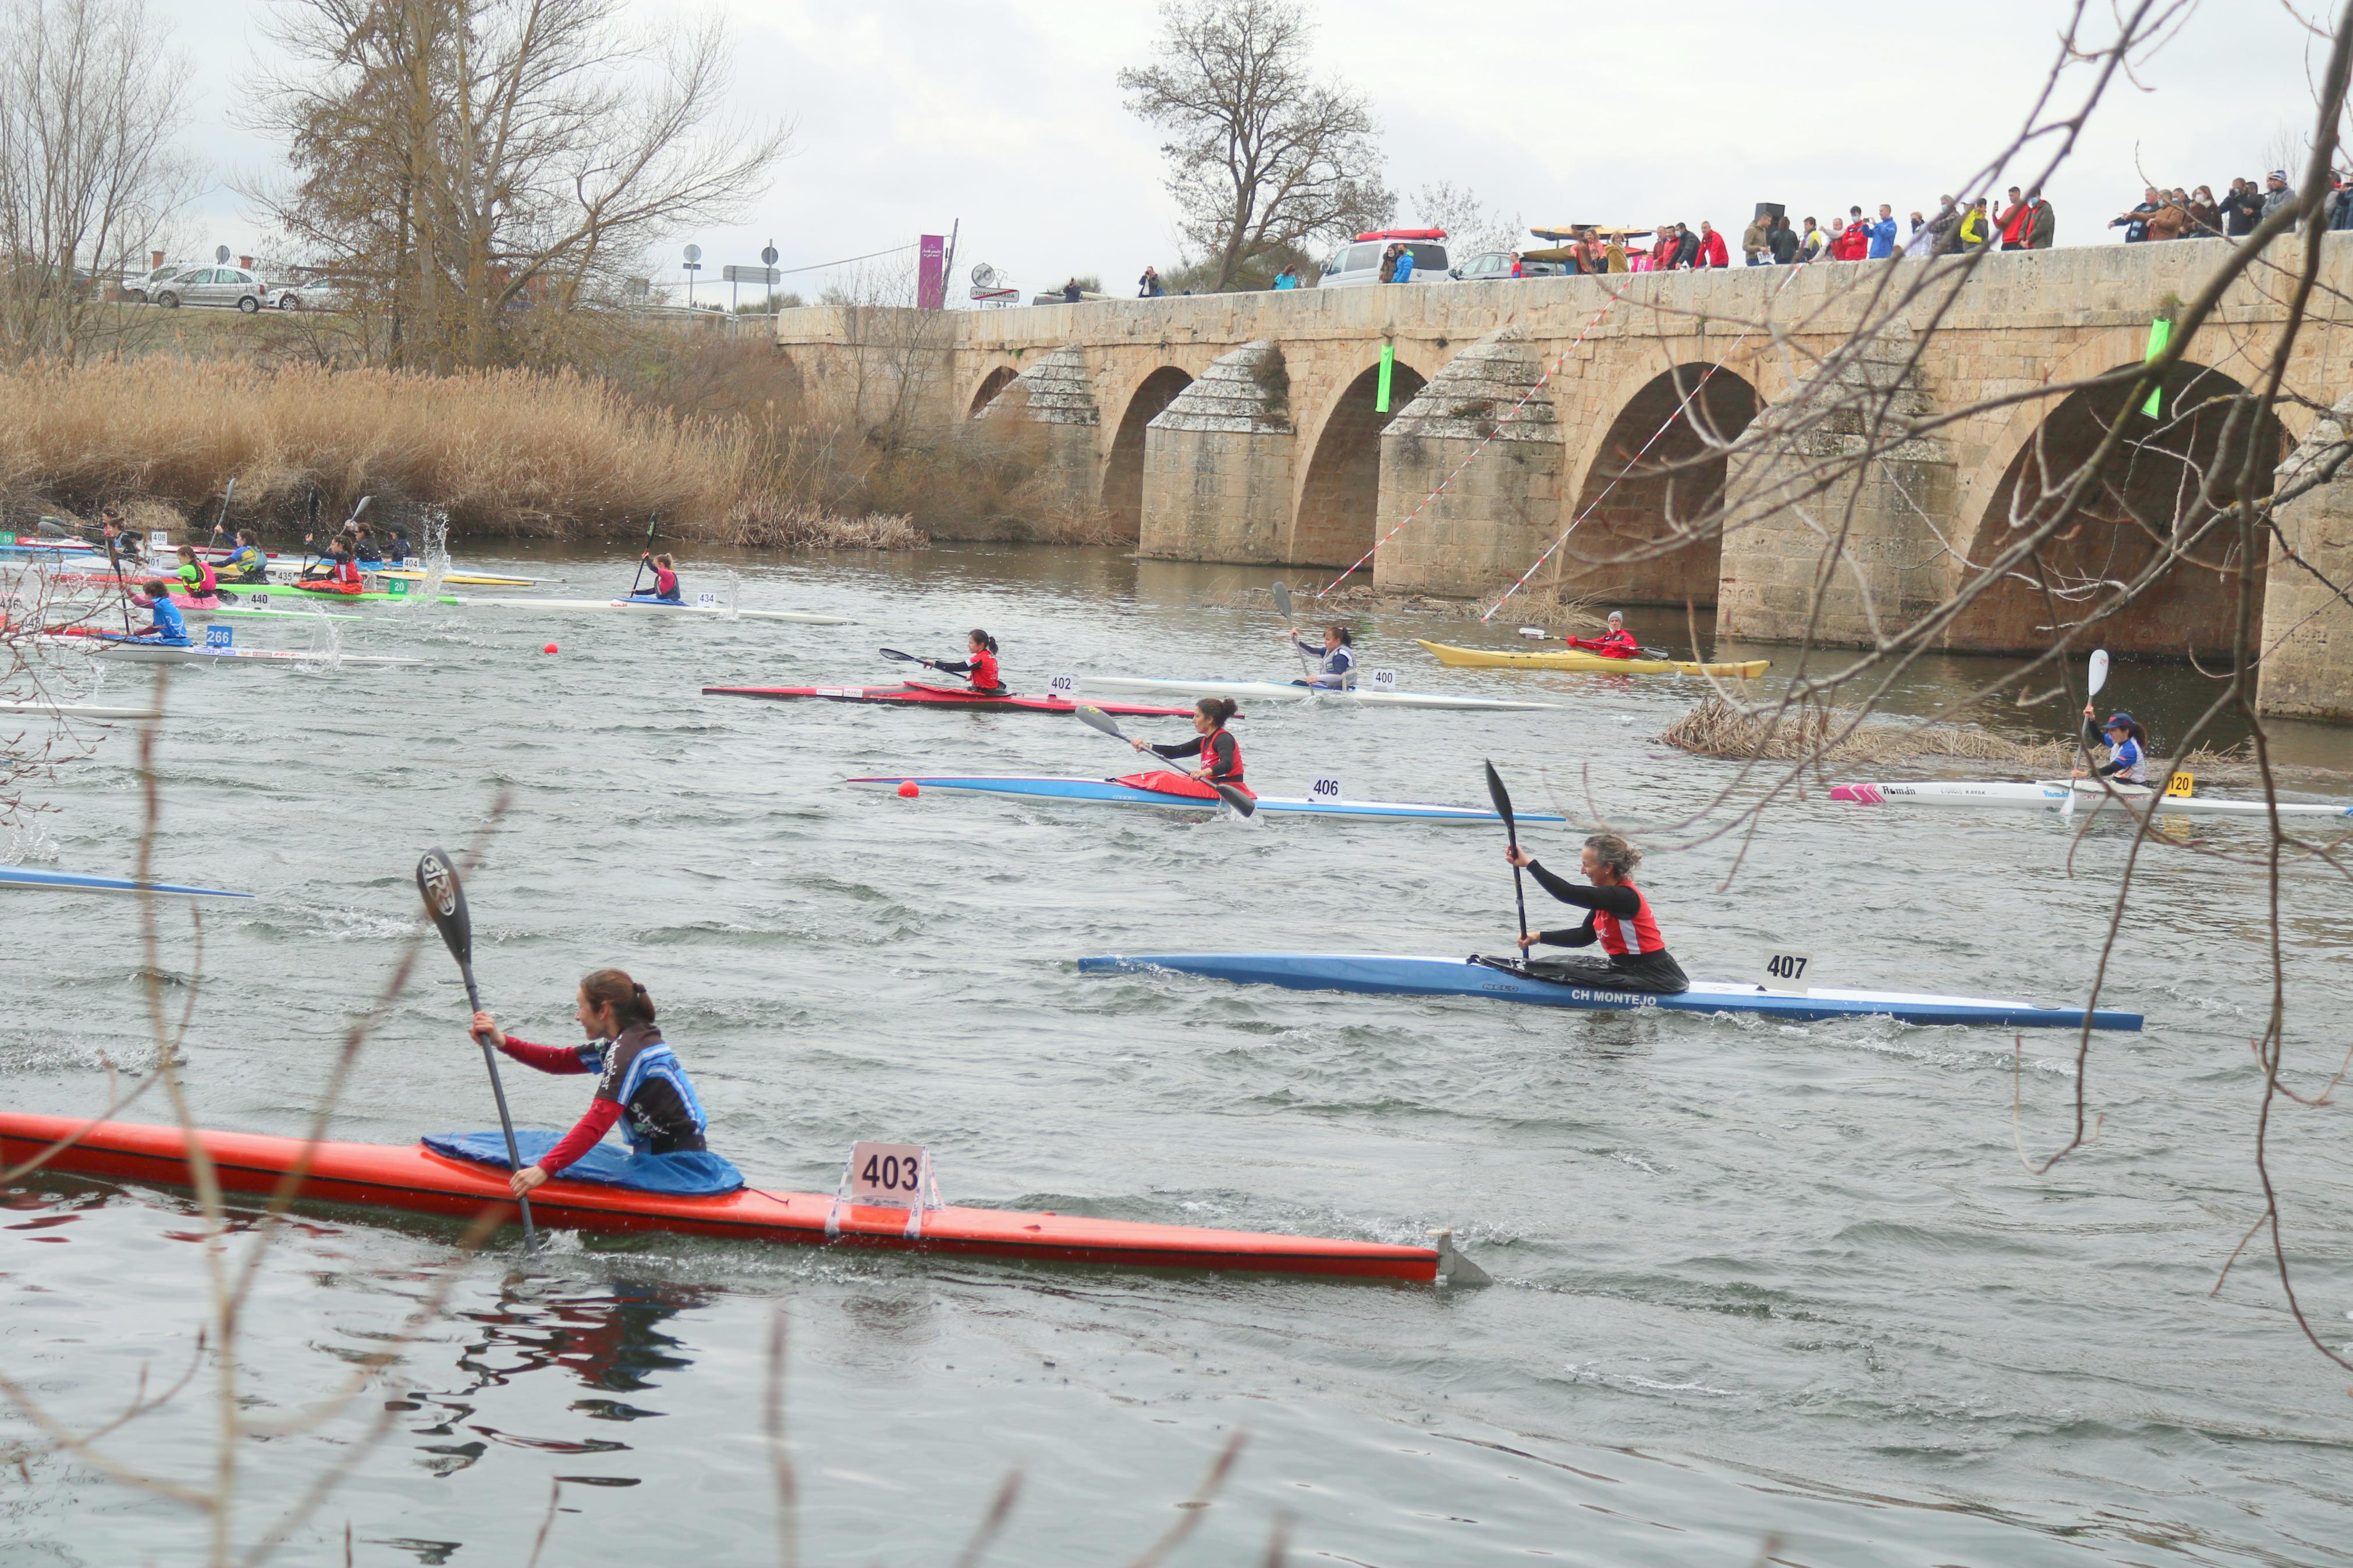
[{"x": 1248, "y": 428}]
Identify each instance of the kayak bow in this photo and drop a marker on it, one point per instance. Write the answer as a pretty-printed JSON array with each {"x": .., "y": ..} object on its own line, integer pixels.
[
  {"x": 1578, "y": 659},
  {"x": 917, "y": 693},
  {"x": 2054, "y": 793},
  {"x": 414, "y": 1178},
  {"x": 1111, "y": 792},
  {"x": 1378, "y": 975},
  {"x": 1283, "y": 691}
]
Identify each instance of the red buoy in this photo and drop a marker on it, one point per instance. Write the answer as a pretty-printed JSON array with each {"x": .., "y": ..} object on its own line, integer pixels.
[
  {"x": 907, "y": 790},
  {"x": 549, "y": 648}
]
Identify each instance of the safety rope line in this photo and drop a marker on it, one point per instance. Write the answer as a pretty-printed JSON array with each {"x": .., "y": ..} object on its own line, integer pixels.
[
  {"x": 1456, "y": 472},
  {"x": 1680, "y": 409}
]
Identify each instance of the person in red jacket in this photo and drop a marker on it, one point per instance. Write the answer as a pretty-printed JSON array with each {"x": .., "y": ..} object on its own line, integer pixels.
[
  {"x": 1712, "y": 250},
  {"x": 1615, "y": 643},
  {"x": 1662, "y": 254}
]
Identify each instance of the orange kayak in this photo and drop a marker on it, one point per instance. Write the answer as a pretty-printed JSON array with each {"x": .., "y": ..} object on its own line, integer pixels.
[{"x": 415, "y": 1178}]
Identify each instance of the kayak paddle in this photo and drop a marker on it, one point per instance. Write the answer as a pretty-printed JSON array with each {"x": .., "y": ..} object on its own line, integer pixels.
[
  {"x": 1283, "y": 604},
  {"x": 114, "y": 563},
  {"x": 1496, "y": 793},
  {"x": 1096, "y": 719},
  {"x": 221, "y": 522},
  {"x": 907, "y": 658},
  {"x": 444, "y": 901},
  {"x": 2098, "y": 678},
  {"x": 651, "y": 523}
]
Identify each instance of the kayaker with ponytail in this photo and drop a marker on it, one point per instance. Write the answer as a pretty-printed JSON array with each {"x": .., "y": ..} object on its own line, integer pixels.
[
  {"x": 1221, "y": 753},
  {"x": 665, "y": 589},
  {"x": 2128, "y": 745},
  {"x": 341, "y": 575},
  {"x": 1619, "y": 919},
  {"x": 980, "y": 669},
  {"x": 246, "y": 563},
  {"x": 640, "y": 1088},
  {"x": 1336, "y": 666},
  {"x": 199, "y": 583},
  {"x": 164, "y": 622}
]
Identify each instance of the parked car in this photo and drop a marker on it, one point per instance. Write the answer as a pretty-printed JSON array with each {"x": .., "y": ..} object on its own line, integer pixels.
[
  {"x": 317, "y": 294},
  {"x": 1489, "y": 266},
  {"x": 212, "y": 286},
  {"x": 141, "y": 286},
  {"x": 1360, "y": 262}
]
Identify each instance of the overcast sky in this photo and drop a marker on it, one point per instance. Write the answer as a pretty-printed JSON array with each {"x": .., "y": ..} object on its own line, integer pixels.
[{"x": 913, "y": 114}]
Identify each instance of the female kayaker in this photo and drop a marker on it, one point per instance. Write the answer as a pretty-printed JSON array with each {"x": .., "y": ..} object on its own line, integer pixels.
[
  {"x": 1221, "y": 753},
  {"x": 980, "y": 669},
  {"x": 246, "y": 563},
  {"x": 1615, "y": 643},
  {"x": 1336, "y": 658},
  {"x": 640, "y": 1086},
  {"x": 164, "y": 622},
  {"x": 396, "y": 548},
  {"x": 341, "y": 575},
  {"x": 2128, "y": 745},
  {"x": 665, "y": 590},
  {"x": 199, "y": 583},
  {"x": 1620, "y": 919}
]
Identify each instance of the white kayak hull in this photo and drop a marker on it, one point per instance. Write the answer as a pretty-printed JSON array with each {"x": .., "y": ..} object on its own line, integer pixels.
[
  {"x": 162, "y": 653},
  {"x": 1279, "y": 691},
  {"x": 2052, "y": 794},
  {"x": 797, "y": 617},
  {"x": 78, "y": 711},
  {"x": 1111, "y": 792}
]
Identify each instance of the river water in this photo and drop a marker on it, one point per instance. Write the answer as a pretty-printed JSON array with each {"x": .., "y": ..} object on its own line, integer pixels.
[{"x": 1756, "y": 1283}]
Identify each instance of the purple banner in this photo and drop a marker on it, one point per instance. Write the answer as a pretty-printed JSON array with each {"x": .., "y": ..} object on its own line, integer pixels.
[{"x": 931, "y": 277}]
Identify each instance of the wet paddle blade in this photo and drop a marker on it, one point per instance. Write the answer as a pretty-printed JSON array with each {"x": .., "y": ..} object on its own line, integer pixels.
[
  {"x": 902, "y": 657},
  {"x": 1282, "y": 603},
  {"x": 445, "y": 902},
  {"x": 2099, "y": 676},
  {"x": 1503, "y": 799},
  {"x": 1096, "y": 719},
  {"x": 1236, "y": 798}
]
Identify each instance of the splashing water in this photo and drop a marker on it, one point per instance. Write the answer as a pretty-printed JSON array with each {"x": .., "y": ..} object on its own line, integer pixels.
[{"x": 435, "y": 529}]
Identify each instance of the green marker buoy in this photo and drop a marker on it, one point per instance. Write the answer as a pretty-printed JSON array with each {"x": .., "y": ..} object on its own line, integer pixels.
[
  {"x": 2160, "y": 334},
  {"x": 1381, "y": 393}
]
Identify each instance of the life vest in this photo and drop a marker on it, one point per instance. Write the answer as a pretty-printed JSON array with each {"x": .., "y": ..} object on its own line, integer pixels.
[
  {"x": 1612, "y": 930},
  {"x": 1620, "y": 644},
  {"x": 984, "y": 672},
  {"x": 1210, "y": 756},
  {"x": 2134, "y": 759},
  {"x": 343, "y": 579},
  {"x": 248, "y": 565},
  {"x": 202, "y": 582},
  {"x": 665, "y": 583}
]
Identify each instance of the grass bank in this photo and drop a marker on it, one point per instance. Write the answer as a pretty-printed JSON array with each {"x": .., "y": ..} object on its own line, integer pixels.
[{"x": 502, "y": 453}]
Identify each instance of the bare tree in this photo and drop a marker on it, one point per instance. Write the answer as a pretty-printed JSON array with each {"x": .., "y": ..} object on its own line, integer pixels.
[
  {"x": 487, "y": 168},
  {"x": 1262, "y": 156},
  {"x": 1469, "y": 222},
  {"x": 90, "y": 97}
]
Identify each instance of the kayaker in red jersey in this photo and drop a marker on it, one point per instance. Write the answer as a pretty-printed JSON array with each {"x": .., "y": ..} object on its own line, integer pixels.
[
  {"x": 1615, "y": 643},
  {"x": 341, "y": 575},
  {"x": 665, "y": 589},
  {"x": 1620, "y": 919},
  {"x": 1221, "y": 753},
  {"x": 640, "y": 1086},
  {"x": 980, "y": 669}
]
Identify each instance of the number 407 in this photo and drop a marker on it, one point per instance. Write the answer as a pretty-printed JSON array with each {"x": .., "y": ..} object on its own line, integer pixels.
[{"x": 1786, "y": 966}]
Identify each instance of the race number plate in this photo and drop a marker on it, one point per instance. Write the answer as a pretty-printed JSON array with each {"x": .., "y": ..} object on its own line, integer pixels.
[
  {"x": 1788, "y": 968},
  {"x": 2181, "y": 786},
  {"x": 893, "y": 1174},
  {"x": 707, "y": 601},
  {"x": 395, "y": 586},
  {"x": 1323, "y": 789},
  {"x": 1063, "y": 688},
  {"x": 219, "y": 637},
  {"x": 1385, "y": 680},
  {"x": 159, "y": 541}
]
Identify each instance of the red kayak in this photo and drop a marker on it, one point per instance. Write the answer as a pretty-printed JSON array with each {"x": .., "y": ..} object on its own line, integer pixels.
[
  {"x": 945, "y": 697},
  {"x": 414, "y": 1178}
]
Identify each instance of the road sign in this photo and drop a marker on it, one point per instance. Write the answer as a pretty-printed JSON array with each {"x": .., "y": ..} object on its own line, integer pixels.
[
  {"x": 750, "y": 275},
  {"x": 694, "y": 253},
  {"x": 768, "y": 253}
]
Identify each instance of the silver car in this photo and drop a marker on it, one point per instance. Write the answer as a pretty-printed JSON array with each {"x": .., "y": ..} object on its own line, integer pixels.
[
  {"x": 212, "y": 286},
  {"x": 318, "y": 294},
  {"x": 142, "y": 286}
]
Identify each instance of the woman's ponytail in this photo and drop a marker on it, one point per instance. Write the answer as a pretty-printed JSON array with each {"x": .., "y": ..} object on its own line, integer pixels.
[{"x": 613, "y": 988}]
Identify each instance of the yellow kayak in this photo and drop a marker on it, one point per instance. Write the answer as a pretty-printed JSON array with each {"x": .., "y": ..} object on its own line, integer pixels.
[
  {"x": 1578, "y": 659},
  {"x": 457, "y": 579}
]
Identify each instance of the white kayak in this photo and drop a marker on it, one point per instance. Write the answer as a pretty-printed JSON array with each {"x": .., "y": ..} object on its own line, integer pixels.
[
  {"x": 78, "y": 711},
  {"x": 1114, "y": 792},
  {"x": 2053, "y": 792},
  {"x": 654, "y": 607},
  {"x": 1279, "y": 691},
  {"x": 165, "y": 652}
]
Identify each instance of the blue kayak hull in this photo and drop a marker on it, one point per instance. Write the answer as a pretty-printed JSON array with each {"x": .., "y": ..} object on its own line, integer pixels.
[
  {"x": 77, "y": 882},
  {"x": 1110, "y": 792},
  {"x": 1377, "y": 974}
]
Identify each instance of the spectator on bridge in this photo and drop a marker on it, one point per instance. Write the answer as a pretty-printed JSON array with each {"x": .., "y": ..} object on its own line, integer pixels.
[
  {"x": 1781, "y": 241},
  {"x": 1148, "y": 285},
  {"x": 1686, "y": 247},
  {"x": 2011, "y": 221},
  {"x": 1663, "y": 254},
  {"x": 2205, "y": 214},
  {"x": 2135, "y": 222},
  {"x": 2277, "y": 191},
  {"x": 1071, "y": 292},
  {"x": 2241, "y": 205},
  {"x": 1882, "y": 232},
  {"x": 1401, "y": 271},
  {"x": 1977, "y": 225},
  {"x": 2042, "y": 224},
  {"x": 2171, "y": 218},
  {"x": 2340, "y": 209},
  {"x": 1812, "y": 243},
  {"x": 1711, "y": 251},
  {"x": 1921, "y": 238},
  {"x": 1945, "y": 228},
  {"x": 1286, "y": 278},
  {"x": 1851, "y": 242},
  {"x": 1756, "y": 240}
]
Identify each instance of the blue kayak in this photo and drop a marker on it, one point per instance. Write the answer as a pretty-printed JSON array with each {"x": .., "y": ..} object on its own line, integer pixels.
[
  {"x": 76, "y": 882},
  {"x": 1378, "y": 975},
  {"x": 1111, "y": 792}
]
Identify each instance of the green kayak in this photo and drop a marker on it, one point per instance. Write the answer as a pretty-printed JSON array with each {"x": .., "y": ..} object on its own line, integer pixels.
[{"x": 277, "y": 596}]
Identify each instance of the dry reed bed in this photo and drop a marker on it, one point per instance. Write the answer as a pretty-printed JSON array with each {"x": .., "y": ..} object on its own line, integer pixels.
[
  {"x": 1717, "y": 728},
  {"x": 501, "y": 452}
]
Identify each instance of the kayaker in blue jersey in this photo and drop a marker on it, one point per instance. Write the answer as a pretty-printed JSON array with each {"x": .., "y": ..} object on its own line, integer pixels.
[
  {"x": 640, "y": 1086},
  {"x": 665, "y": 590},
  {"x": 1221, "y": 753},
  {"x": 2128, "y": 745},
  {"x": 165, "y": 624},
  {"x": 1619, "y": 918},
  {"x": 1336, "y": 658},
  {"x": 980, "y": 669},
  {"x": 246, "y": 563}
]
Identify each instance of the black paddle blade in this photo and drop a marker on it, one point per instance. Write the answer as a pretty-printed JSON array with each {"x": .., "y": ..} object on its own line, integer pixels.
[
  {"x": 445, "y": 902},
  {"x": 1236, "y": 798},
  {"x": 902, "y": 657},
  {"x": 1094, "y": 718},
  {"x": 1501, "y": 797}
]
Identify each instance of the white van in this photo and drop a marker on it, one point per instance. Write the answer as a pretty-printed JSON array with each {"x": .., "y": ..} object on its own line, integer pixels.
[{"x": 1359, "y": 262}]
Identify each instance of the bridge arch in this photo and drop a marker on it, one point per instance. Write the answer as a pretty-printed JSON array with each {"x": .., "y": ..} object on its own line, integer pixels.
[
  {"x": 1123, "y": 486},
  {"x": 1339, "y": 517},
  {"x": 2173, "y": 475},
  {"x": 994, "y": 382},
  {"x": 1656, "y": 477}
]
